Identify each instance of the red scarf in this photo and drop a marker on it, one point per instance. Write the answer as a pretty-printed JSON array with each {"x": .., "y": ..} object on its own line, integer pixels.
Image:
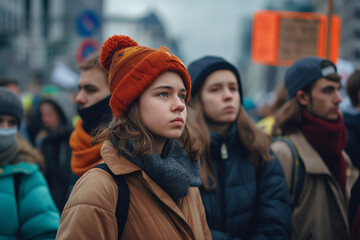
[
  {"x": 84, "y": 155},
  {"x": 329, "y": 139}
]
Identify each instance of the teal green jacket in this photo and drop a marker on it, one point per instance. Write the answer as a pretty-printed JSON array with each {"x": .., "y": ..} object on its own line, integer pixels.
[{"x": 29, "y": 211}]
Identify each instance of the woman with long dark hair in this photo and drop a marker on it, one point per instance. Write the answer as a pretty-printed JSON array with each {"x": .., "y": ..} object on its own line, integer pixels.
[{"x": 244, "y": 189}]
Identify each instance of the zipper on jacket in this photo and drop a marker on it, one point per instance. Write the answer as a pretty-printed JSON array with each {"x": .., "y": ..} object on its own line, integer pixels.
[
  {"x": 221, "y": 180},
  {"x": 224, "y": 152}
]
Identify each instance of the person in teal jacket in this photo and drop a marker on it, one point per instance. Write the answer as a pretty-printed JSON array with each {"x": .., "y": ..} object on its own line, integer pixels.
[{"x": 27, "y": 208}]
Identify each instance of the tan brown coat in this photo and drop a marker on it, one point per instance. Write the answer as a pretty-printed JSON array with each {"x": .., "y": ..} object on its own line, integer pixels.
[
  {"x": 90, "y": 210},
  {"x": 321, "y": 212}
]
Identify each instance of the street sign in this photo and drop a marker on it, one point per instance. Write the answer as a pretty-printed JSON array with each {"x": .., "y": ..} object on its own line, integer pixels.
[
  {"x": 87, "y": 23},
  {"x": 280, "y": 37},
  {"x": 86, "y": 47}
]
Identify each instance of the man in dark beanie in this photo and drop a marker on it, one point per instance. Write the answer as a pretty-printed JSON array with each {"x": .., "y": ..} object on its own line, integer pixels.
[{"x": 318, "y": 172}]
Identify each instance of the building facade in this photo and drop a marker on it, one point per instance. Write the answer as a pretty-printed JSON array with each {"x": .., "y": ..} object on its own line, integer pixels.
[{"x": 35, "y": 34}]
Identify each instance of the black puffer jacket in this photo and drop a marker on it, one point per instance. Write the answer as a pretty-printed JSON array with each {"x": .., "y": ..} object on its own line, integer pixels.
[{"x": 249, "y": 203}]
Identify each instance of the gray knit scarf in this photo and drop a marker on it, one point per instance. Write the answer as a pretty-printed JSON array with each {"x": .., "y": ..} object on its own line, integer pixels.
[
  {"x": 7, "y": 155},
  {"x": 174, "y": 171}
]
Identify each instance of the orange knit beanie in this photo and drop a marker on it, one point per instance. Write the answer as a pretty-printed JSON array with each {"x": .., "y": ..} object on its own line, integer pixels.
[{"x": 133, "y": 68}]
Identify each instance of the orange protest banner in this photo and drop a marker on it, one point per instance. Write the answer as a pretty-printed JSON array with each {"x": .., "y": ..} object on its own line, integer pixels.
[{"x": 281, "y": 37}]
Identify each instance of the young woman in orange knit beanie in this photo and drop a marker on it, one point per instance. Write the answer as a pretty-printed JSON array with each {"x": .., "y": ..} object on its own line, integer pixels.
[{"x": 151, "y": 144}]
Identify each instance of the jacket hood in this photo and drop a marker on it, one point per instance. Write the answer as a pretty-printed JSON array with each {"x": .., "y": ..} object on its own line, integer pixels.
[{"x": 63, "y": 103}]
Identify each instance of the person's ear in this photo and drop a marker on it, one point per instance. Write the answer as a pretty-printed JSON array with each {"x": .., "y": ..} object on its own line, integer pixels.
[{"x": 302, "y": 98}]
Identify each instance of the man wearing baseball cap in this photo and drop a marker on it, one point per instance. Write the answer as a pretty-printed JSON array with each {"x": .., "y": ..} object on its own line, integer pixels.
[{"x": 318, "y": 172}]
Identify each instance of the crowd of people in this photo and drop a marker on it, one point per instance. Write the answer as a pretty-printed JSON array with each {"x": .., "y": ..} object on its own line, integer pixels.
[{"x": 149, "y": 148}]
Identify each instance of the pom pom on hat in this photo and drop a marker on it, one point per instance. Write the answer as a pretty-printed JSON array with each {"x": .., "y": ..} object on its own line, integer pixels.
[
  {"x": 133, "y": 68},
  {"x": 113, "y": 44}
]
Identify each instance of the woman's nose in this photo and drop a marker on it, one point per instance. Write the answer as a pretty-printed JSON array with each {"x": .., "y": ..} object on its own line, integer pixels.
[
  {"x": 228, "y": 94},
  {"x": 178, "y": 105}
]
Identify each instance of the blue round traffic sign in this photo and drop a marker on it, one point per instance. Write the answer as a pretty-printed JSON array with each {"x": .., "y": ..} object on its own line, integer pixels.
[
  {"x": 87, "y": 23},
  {"x": 86, "y": 48}
]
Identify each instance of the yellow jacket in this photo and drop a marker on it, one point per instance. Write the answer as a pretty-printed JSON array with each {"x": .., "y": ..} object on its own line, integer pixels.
[{"x": 267, "y": 124}]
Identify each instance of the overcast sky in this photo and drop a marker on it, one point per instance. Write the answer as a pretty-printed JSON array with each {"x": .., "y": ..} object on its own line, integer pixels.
[{"x": 202, "y": 26}]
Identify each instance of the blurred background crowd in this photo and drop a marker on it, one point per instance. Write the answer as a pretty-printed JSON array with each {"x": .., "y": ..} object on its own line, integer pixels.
[{"x": 43, "y": 42}]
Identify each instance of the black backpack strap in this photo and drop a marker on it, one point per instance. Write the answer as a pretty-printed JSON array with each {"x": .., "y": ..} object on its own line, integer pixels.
[
  {"x": 122, "y": 205},
  {"x": 298, "y": 172}
]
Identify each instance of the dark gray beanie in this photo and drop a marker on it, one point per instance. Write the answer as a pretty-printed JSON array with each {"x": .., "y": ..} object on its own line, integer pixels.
[
  {"x": 200, "y": 69},
  {"x": 11, "y": 104},
  {"x": 306, "y": 71}
]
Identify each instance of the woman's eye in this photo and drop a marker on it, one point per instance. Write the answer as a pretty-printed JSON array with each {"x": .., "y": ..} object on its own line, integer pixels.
[
  {"x": 182, "y": 97},
  {"x": 163, "y": 94}
]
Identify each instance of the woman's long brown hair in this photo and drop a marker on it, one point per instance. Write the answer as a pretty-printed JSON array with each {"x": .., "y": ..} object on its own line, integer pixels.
[{"x": 253, "y": 138}]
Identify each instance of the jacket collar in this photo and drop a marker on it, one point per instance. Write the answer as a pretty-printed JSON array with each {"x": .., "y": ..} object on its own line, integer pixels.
[
  {"x": 315, "y": 165},
  {"x": 230, "y": 137},
  {"x": 311, "y": 158},
  {"x": 312, "y": 161},
  {"x": 21, "y": 167},
  {"x": 120, "y": 165},
  {"x": 117, "y": 163}
]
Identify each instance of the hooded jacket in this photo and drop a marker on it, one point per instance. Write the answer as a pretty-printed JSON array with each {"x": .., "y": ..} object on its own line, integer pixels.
[
  {"x": 152, "y": 213},
  {"x": 54, "y": 145}
]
